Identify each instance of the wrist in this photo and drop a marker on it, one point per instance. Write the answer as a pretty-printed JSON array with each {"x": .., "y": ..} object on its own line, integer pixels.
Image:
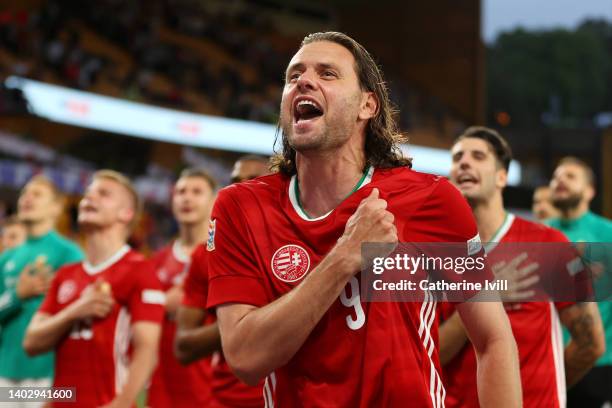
[
  {"x": 345, "y": 259},
  {"x": 71, "y": 312}
]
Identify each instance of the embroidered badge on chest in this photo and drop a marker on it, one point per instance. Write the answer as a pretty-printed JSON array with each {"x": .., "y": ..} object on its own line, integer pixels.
[
  {"x": 65, "y": 292},
  {"x": 290, "y": 263}
]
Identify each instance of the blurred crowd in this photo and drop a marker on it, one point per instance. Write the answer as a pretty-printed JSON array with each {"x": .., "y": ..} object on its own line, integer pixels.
[
  {"x": 177, "y": 54},
  {"x": 48, "y": 44}
]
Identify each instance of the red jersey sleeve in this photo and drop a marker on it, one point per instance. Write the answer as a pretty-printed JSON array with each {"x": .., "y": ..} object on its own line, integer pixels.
[
  {"x": 147, "y": 298},
  {"x": 196, "y": 283},
  {"x": 49, "y": 304},
  {"x": 233, "y": 274},
  {"x": 446, "y": 217},
  {"x": 570, "y": 278}
]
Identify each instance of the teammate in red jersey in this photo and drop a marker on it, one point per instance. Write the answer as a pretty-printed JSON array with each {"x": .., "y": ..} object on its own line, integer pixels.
[
  {"x": 480, "y": 162},
  {"x": 103, "y": 317},
  {"x": 198, "y": 334},
  {"x": 285, "y": 252},
  {"x": 249, "y": 166},
  {"x": 172, "y": 383},
  {"x": 199, "y": 337}
]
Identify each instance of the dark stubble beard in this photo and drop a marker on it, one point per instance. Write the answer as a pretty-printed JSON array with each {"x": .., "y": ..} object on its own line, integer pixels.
[
  {"x": 336, "y": 132},
  {"x": 569, "y": 203}
]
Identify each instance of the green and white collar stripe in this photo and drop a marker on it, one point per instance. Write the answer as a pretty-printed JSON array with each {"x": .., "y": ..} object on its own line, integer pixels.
[
  {"x": 294, "y": 194},
  {"x": 500, "y": 233}
]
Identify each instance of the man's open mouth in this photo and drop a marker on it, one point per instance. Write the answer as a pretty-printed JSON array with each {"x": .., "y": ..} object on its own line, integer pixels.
[{"x": 306, "y": 109}]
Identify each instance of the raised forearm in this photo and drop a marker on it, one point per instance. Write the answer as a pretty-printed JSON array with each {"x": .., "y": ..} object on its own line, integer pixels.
[
  {"x": 266, "y": 338},
  {"x": 45, "y": 331},
  {"x": 587, "y": 342},
  {"x": 193, "y": 344}
]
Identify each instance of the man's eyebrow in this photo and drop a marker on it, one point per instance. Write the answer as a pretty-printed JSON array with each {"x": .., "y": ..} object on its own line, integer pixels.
[
  {"x": 293, "y": 67},
  {"x": 320, "y": 66},
  {"x": 326, "y": 65}
]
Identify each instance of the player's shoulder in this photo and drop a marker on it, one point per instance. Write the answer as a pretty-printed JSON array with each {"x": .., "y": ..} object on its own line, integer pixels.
[
  {"x": 601, "y": 222},
  {"x": 261, "y": 188},
  {"x": 135, "y": 267},
  {"x": 69, "y": 270},
  {"x": 409, "y": 186},
  {"x": 402, "y": 178},
  {"x": 134, "y": 257},
  {"x": 537, "y": 232},
  {"x": 66, "y": 245},
  {"x": 61, "y": 240},
  {"x": 132, "y": 261},
  {"x": 10, "y": 253}
]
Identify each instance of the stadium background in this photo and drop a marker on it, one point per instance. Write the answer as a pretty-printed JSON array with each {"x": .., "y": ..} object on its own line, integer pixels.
[{"x": 549, "y": 92}]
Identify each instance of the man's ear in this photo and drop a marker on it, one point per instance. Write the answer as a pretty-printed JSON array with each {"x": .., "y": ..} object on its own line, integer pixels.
[
  {"x": 589, "y": 193},
  {"x": 126, "y": 215},
  {"x": 369, "y": 106},
  {"x": 57, "y": 207},
  {"x": 501, "y": 178}
]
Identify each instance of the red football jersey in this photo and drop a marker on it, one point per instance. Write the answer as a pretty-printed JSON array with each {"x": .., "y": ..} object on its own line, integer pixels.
[
  {"x": 536, "y": 328},
  {"x": 359, "y": 354},
  {"x": 94, "y": 356},
  {"x": 174, "y": 384},
  {"x": 227, "y": 391}
]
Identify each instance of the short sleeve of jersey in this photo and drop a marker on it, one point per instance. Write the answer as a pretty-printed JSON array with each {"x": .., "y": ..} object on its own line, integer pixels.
[
  {"x": 49, "y": 304},
  {"x": 572, "y": 278},
  {"x": 233, "y": 274},
  {"x": 196, "y": 283},
  {"x": 147, "y": 299},
  {"x": 445, "y": 217}
]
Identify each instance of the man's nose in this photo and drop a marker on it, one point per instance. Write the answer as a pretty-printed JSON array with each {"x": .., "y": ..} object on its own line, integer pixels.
[
  {"x": 464, "y": 164},
  {"x": 306, "y": 82}
]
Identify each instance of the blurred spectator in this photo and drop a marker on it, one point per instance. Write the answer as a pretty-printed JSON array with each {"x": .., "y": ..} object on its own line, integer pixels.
[
  {"x": 14, "y": 233},
  {"x": 573, "y": 188},
  {"x": 542, "y": 206},
  {"x": 25, "y": 273},
  {"x": 48, "y": 45},
  {"x": 192, "y": 200},
  {"x": 250, "y": 166}
]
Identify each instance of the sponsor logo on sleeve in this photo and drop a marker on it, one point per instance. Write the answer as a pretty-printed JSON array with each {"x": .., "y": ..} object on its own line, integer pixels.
[
  {"x": 575, "y": 266},
  {"x": 474, "y": 245},
  {"x": 210, "y": 242}
]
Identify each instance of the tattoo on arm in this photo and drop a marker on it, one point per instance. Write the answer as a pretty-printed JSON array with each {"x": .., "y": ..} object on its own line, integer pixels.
[{"x": 584, "y": 324}]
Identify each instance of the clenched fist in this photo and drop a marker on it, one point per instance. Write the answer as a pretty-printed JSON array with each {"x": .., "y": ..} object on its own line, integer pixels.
[
  {"x": 32, "y": 283},
  {"x": 371, "y": 222},
  {"x": 96, "y": 301}
]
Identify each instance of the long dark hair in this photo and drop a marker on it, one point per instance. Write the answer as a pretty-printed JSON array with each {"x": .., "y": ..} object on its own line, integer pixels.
[{"x": 382, "y": 134}]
